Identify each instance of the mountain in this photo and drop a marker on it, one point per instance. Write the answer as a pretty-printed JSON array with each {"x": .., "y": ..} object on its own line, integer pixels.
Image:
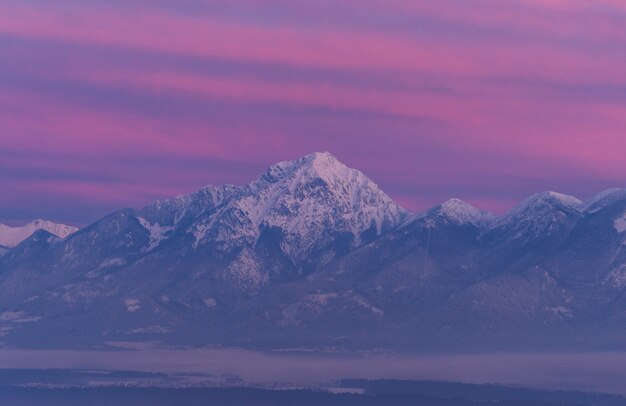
[
  {"x": 314, "y": 254},
  {"x": 12, "y": 236}
]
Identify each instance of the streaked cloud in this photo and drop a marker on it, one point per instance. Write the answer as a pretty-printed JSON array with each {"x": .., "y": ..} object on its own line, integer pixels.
[{"x": 114, "y": 103}]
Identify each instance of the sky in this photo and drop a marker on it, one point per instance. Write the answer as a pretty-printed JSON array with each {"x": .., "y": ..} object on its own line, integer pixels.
[{"x": 112, "y": 104}]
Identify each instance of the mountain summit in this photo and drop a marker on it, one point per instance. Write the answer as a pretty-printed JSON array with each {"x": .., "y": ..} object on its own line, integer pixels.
[
  {"x": 315, "y": 196},
  {"x": 309, "y": 202}
]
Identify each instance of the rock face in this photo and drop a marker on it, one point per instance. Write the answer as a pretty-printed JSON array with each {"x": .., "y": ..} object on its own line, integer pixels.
[{"x": 313, "y": 253}]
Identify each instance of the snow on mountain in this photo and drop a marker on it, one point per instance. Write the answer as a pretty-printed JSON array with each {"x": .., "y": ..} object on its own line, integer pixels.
[
  {"x": 157, "y": 232},
  {"x": 276, "y": 260},
  {"x": 463, "y": 213},
  {"x": 12, "y": 236},
  {"x": 542, "y": 213},
  {"x": 541, "y": 207},
  {"x": 173, "y": 211},
  {"x": 543, "y": 199},
  {"x": 457, "y": 212},
  {"x": 308, "y": 196},
  {"x": 308, "y": 199},
  {"x": 604, "y": 199}
]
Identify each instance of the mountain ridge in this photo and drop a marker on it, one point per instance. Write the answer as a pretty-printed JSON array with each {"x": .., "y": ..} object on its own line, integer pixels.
[
  {"x": 313, "y": 253},
  {"x": 12, "y": 236}
]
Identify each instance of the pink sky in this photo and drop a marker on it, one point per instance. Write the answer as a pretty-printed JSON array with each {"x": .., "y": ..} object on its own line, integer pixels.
[{"x": 110, "y": 104}]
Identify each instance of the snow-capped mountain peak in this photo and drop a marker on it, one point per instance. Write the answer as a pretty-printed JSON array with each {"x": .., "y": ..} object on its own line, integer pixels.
[
  {"x": 564, "y": 199},
  {"x": 12, "y": 236},
  {"x": 542, "y": 213},
  {"x": 464, "y": 213},
  {"x": 325, "y": 166},
  {"x": 318, "y": 165},
  {"x": 310, "y": 200},
  {"x": 604, "y": 199},
  {"x": 458, "y": 212},
  {"x": 318, "y": 188},
  {"x": 544, "y": 200}
]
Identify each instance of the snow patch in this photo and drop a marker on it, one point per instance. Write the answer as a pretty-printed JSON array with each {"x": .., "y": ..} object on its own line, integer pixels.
[
  {"x": 246, "y": 272},
  {"x": 199, "y": 231},
  {"x": 18, "y": 317},
  {"x": 345, "y": 391},
  {"x": 10, "y": 316},
  {"x": 620, "y": 223},
  {"x": 364, "y": 303},
  {"x": 617, "y": 278},
  {"x": 209, "y": 302},
  {"x": 132, "y": 305},
  {"x": 562, "y": 311},
  {"x": 77, "y": 295},
  {"x": 566, "y": 200},
  {"x": 157, "y": 232},
  {"x": 107, "y": 263},
  {"x": 156, "y": 329},
  {"x": 322, "y": 298}
]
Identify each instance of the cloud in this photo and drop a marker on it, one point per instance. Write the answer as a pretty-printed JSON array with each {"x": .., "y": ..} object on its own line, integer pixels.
[{"x": 484, "y": 100}]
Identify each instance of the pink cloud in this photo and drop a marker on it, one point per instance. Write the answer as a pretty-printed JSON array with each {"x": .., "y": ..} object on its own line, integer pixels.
[
  {"x": 327, "y": 47},
  {"x": 536, "y": 81}
]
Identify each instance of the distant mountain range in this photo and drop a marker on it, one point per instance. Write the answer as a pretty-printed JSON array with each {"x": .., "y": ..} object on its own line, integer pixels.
[
  {"x": 314, "y": 254},
  {"x": 12, "y": 236}
]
